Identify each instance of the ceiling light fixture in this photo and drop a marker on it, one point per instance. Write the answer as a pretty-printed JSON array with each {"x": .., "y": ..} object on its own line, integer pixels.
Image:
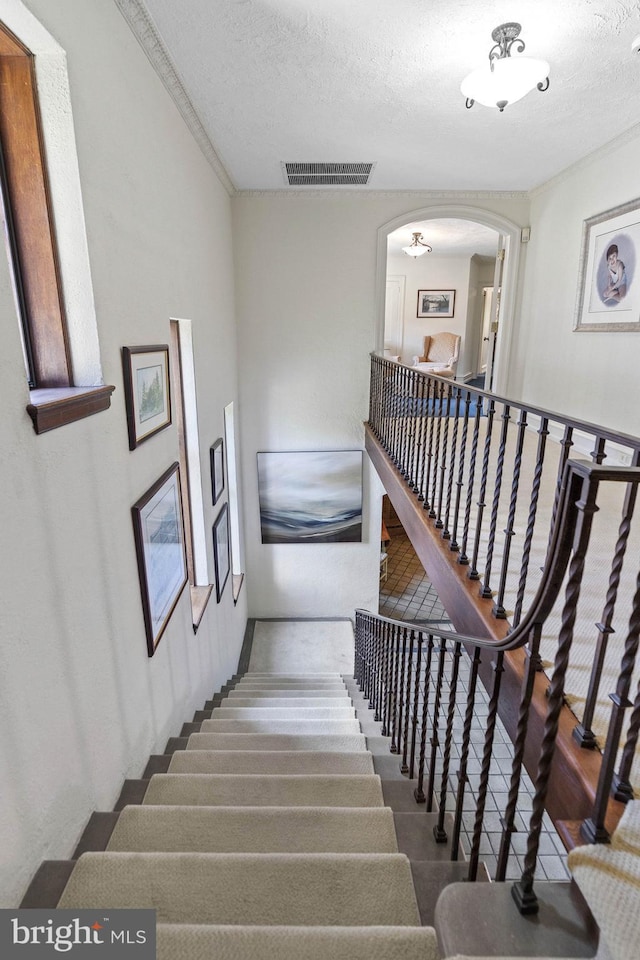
[
  {"x": 416, "y": 248},
  {"x": 505, "y": 79}
]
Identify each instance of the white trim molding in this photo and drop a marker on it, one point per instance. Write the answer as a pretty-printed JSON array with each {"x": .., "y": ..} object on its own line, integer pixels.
[{"x": 151, "y": 42}]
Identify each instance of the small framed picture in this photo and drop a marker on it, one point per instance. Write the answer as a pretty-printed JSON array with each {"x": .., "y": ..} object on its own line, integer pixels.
[
  {"x": 217, "y": 469},
  {"x": 609, "y": 271},
  {"x": 162, "y": 563},
  {"x": 221, "y": 550},
  {"x": 436, "y": 303},
  {"x": 146, "y": 390}
]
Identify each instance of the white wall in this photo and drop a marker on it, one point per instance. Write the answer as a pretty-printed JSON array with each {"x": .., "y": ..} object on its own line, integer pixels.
[
  {"x": 481, "y": 274},
  {"x": 81, "y": 704},
  {"x": 590, "y": 375},
  {"x": 430, "y": 273},
  {"x": 306, "y": 289}
]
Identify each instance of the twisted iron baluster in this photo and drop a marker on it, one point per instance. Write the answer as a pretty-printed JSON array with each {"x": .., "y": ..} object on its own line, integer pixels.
[
  {"x": 446, "y": 533},
  {"x": 593, "y": 829},
  {"x": 473, "y": 572},
  {"x": 486, "y": 590},
  {"x": 396, "y": 400},
  {"x": 418, "y": 792},
  {"x": 413, "y": 442},
  {"x": 357, "y": 662},
  {"x": 566, "y": 443},
  {"x": 543, "y": 433},
  {"x": 422, "y": 406},
  {"x": 454, "y": 546},
  {"x": 463, "y": 558},
  {"x": 463, "y": 779},
  {"x": 439, "y": 832},
  {"x": 404, "y": 768},
  {"x": 379, "y": 673},
  {"x": 435, "y": 466},
  {"x": 401, "y": 688},
  {"x": 583, "y": 732},
  {"x": 446, "y": 419},
  {"x": 393, "y": 747},
  {"x": 523, "y": 890},
  {"x": 435, "y": 743},
  {"x": 621, "y": 787},
  {"x": 499, "y": 611},
  {"x": 388, "y": 647},
  {"x": 487, "y": 751},
  {"x": 416, "y": 704},
  {"x": 431, "y": 404}
]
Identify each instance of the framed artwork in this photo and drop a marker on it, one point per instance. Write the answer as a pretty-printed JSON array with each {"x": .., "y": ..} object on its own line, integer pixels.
[
  {"x": 216, "y": 454},
  {"x": 310, "y": 497},
  {"x": 221, "y": 550},
  {"x": 162, "y": 564},
  {"x": 609, "y": 283},
  {"x": 146, "y": 391},
  {"x": 436, "y": 303}
]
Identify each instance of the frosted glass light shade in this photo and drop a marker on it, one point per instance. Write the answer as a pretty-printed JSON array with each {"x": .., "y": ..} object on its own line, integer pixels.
[
  {"x": 511, "y": 79},
  {"x": 415, "y": 251}
]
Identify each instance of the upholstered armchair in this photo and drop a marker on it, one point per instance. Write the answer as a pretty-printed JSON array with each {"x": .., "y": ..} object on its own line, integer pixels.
[{"x": 439, "y": 355}]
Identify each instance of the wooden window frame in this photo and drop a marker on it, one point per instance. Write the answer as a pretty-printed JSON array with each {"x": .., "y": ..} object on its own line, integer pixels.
[{"x": 31, "y": 242}]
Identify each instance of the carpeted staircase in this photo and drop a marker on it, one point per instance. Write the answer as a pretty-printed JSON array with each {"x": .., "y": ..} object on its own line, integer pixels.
[{"x": 269, "y": 834}]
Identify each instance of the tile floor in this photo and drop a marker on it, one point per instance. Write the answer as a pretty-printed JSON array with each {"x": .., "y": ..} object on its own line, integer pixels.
[{"x": 407, "y": 594}]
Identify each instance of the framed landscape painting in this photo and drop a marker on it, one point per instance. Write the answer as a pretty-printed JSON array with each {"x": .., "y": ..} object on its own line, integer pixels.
[
  {"x": 162, "y": 563},
  {"x": 436, "y": 303},
  {"x": 609, "y": 282},
  {"x": 310, "y": 497},
  {"x": 146, "y": 391}
]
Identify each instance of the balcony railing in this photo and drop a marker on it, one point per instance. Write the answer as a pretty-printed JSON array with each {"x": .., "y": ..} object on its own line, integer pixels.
[{"x": 546, "y": 538}]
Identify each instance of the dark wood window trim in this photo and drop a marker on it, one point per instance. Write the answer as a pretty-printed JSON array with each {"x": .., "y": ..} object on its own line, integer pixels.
[{"x": 54, "y": 400}]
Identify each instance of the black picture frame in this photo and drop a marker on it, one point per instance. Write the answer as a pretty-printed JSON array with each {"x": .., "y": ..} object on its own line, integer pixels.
[
  {"x": 221, "y": 550},
  {"x": 158, "y": 529},
  {"x": 216, "y": 454}
]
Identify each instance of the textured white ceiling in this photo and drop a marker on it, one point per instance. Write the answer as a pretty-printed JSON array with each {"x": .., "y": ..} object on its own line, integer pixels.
[
  {"x": 379, "y": 80},
  {"x": 448, "y": 237}
]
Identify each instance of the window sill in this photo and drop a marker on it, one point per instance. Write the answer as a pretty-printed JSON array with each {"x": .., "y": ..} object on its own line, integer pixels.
[
  {"x": 237, "y": 581},
  {"x": 54, "y": 407},
  {"x": 199, "y": 600}
]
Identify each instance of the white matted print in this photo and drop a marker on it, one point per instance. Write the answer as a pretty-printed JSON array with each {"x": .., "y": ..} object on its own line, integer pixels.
[
  {"x": 609, "y": 284},
  {"x": 310, "y": 497},
  {"x": 146, "y": 390}
]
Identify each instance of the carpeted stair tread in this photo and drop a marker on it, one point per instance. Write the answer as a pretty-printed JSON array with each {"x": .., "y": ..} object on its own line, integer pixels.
[
  {"x": 315, "y": 692},
  {"x": 264, "y": 790},
  {"x": 287, "y": 703},
  {"x": 270, "y": 761},
  {"x": 282, "y": 713},
  {"x": 254, "y": 829},
  {"x": 266, "y": 889},
  {"x": 281, "y": 726},
  {"x": 288, "y": 684},
  {"x": 262, "y": 675},
  {"x": 276, "y": 741},
  {"x": 204, "y": 942}
]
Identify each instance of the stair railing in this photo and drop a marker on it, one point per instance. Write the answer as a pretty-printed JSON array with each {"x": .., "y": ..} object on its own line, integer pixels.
[
  {"x": 411, "y": 677},
  {"x": 488, "y": 475}
]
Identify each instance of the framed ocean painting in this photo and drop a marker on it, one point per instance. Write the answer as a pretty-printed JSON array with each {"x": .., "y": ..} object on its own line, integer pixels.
[{"x": 310, "y": 496}]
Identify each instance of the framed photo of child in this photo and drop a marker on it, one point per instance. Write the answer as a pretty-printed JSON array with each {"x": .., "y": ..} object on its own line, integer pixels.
[{"x": 609, "y": 275}]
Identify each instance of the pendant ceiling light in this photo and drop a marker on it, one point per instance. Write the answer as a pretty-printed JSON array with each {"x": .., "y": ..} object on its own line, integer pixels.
[
  {"x": 505, "y": 79},
  {"x": 416, "y": 248}
]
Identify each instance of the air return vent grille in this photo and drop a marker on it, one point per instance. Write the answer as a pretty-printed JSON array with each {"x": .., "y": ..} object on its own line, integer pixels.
[{"x": 327, "y": 174}]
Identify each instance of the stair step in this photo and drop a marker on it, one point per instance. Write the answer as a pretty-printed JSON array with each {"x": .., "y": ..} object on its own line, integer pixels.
[
  {"x": 290, "y": 889},
  {"x": 282, "y": 713},
  {"x": 287, "y": 703},
  {"x": 285, "y": 684},
  {"x": 254, "y": 829},
  {"x": 276, "y": 741},
  {"x": 315, "y": 692},
  {"x": 212, "y": 789},
  {"x": 280, "y": 726},
  {"x": 269, "y": 761},
  {"x": 202, "y": 942}
]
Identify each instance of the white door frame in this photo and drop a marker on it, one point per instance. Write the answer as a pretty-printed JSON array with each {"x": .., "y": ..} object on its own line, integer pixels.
[{"x": 511, "y": 233}]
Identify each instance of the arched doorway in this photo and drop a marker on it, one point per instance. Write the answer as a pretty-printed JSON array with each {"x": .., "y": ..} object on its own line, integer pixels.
[{"x": 509, "y": 234}]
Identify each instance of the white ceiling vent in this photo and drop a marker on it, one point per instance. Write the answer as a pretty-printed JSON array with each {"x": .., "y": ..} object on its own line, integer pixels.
[{"x": 327, "y": 174}]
